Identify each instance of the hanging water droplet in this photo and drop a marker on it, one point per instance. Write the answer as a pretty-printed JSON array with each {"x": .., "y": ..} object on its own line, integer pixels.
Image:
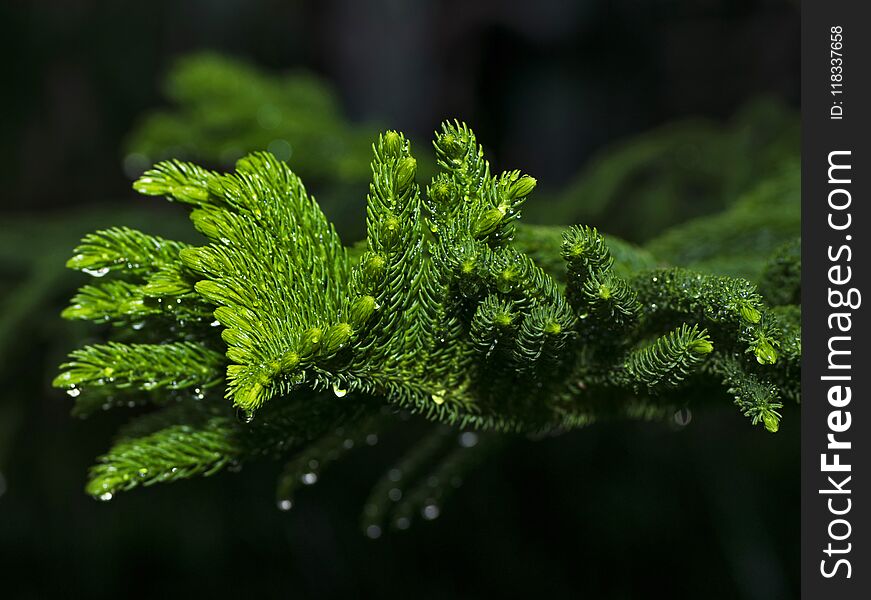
[
  {"x": 138, "y": 325},
  {"x": 373, "y": 532},
  {"x": 309, "y": 478},
  {"x": 683, "y": 417},
  {"x": 96, "y": 272},
  {"x": 285, "y": 504},
  {"x": 430, "y": 511},
  {"x": 215, "y": 323},
  {"x": 74, "y": 391},
  {"x": 244, "y": 416},
  {"x": 106, "y": 496},
  {"x": 338, "y": 391},
  {"x": 468, "y": 439}
]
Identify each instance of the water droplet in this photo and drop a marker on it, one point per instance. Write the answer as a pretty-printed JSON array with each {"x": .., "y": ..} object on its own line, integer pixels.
[
  {"x": 395, "y": 494},
  {"x": 683, "y": 417},
  {"x": 373, "y": 532},
  {"x": 403, "y": 523},
  {"x": 338, "y": 391},
  {"x": 74, "y": 391},
  {"x": 106, "y": 496},
  {"x": 468, "y": 439},
  {"x": 394, "y": 474},
  {"x": 139, "y": 325},
  {"x": 309, "y": 478},
  {"x": 430, "y": 511},
  {"x": 215, "y": 323},
  {"x": 96, "y": 272},
  {"x": 285, "y": 504},
  {"x": 244, "y": 416},
  {"x": 372, "y": 439},
  {"x": 348, "y": 444}
]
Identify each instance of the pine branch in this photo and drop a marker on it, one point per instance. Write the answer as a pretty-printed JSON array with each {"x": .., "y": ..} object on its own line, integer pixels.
[
  {"x": 124, "y": 249},
  {"x": 145, "y": 366},
  {"x": 117, "y": 300},
  {"x": 441, "y": 311},
  {"x": 757, "y": 398},
  {"x": 669, "y": 360},
  {"x": 188, "y": 440},
  {"x": 176, "y": 452}
]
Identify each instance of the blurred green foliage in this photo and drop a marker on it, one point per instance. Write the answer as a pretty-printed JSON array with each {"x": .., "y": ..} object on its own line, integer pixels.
[
  {"x": 639, "y": 187},
  {"x": 223, "y": 108},
  {"x": 739, "y": 240}
]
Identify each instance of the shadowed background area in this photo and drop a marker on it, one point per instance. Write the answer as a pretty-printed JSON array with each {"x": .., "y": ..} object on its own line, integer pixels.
[{"x": 633, "y": 116}]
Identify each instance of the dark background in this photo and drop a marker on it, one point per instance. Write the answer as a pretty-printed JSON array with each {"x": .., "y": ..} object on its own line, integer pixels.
[{"x": 615, "y": 511}]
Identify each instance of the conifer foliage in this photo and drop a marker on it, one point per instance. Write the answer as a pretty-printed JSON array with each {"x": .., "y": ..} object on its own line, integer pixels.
[{"x": 450, "y": 309}]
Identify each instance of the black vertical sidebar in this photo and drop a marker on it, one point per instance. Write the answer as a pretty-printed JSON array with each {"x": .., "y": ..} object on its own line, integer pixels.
[{"x": 836, "y": 225}]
